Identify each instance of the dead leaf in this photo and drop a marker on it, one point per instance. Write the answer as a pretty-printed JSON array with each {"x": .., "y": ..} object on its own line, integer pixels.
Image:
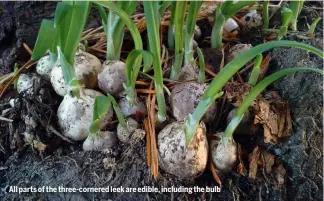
[
  {"x": 254, "y": 158},
  {"x": 280, "y": 174},
  {"x": 274, "y": 114},
  {"x": 236, "y": 92},
  {"x": 240, "y": 168},
  {"x": 269, "y": 161},
  {"x": 264, "y": 166}
]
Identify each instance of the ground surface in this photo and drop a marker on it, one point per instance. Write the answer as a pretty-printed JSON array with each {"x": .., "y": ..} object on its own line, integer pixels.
[{"x": 301, "y": 154}]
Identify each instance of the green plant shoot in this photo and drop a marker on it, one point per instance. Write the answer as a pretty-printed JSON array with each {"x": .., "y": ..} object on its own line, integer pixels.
[
  {"x": 201, "y": 75},
  {"x": 222, "y": 13},
  {"x": 179, "y": 18},
  {"x": 152, "y": 20},
  {"x": 265, "y": 14},
  {"x": 189, "y": 31},
  {"x": 312, "y": 27},
  {"x": 114, "y": 28},
  {"x": 100, "y": 109},
  {"x": 256, "y": 70},
  {"x": 239, "y": 113},
  {"x": 286, "y": 19},
  {"x": 296, "y": 7},
  {"x": 120, "y": 116},
  {"x": 213, "y": 90}
]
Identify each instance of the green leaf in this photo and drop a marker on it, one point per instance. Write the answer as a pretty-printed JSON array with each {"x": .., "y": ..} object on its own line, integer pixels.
[
  {"x": 190, "y": 29},
  {"x": 94, "y": 126},
  {"x": 133, "y": 70},
  {"x": 243, "y": 108},
  {"x": 256, "y": 70},
  {"x": 163, "y": 7},
  {"x": 201, "y": 75},
  {"x": 101, "y": 107},
  {"x": 126, "y": 19},
  {"x": 104, "y": 17},
  {"x": 153, "y": 32},
  {"x": 120, "y": 116},
  {"x": 61, "y": 11},
  {"x": 229, "y": 9},
  {"x": 69, "y": 74},
  {"x": 80, "y": 12},
  {"x": 44, "y": 39}
]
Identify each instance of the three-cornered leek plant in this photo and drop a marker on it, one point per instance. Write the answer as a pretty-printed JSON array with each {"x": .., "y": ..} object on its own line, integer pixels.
[
  {"x": 287, "y": 15},
  {"x": 153, "y": 30},
  {"x": 130, "y": 104},
  {"x": 295, "y": 7},
  {"x": 214, "y": 89},
  {"x": 223, "y": 12},
  {"x": 178, "y": 10}
]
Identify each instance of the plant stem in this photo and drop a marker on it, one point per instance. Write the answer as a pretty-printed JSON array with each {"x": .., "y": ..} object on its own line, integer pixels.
[
  {"x": 286, "y": 19},
  {"x": 256, "y": 70},
  {"x": 311, "y": 30},
  {"x": 295, "y": 7},
  {"x": 189, "y": 31},
  {"x": 201, "y": 75},
  {"x": 171, "y": 26},
  {"x": 239, "y": 113},
  {"x": 180, "y": 11},
  {"x": 217, "y": 32},
  {"x": 120, "y": 116},
  {"x": 265, "y": 15},
  {"x": 153, "y": 31}
]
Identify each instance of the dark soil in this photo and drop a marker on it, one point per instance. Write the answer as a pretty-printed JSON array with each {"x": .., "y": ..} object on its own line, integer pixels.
[{"x": 67, "y": 165}]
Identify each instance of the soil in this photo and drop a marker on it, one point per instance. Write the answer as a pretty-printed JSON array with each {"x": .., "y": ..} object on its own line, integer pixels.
[{"x": 67, "y": 165}]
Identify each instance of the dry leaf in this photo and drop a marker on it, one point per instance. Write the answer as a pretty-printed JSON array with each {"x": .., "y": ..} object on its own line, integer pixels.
[
  {"x": 274, "y": 114},
  {"x": 254, "y": 158},
  {"x": 236, "y": 92},
  {"x": 240, "y": 168},
  {"x": 269, "y": 160},
  {"x": 280, "y": 174},
  {"x": 266, "y": 165}
]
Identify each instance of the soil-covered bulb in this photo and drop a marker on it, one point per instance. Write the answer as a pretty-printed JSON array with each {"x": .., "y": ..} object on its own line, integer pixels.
[
  {"x": 99, "y": 142},
  {"x": 75, "y": 114},
  {"x": 28, "y": 83},
  {"x": 175, "y": 157},
  {"x": 112, "y": 77},
  {"x": 86, "y": 66},
  {"x": 124, "y": 134},
  {"x": 224, "y": 154}
]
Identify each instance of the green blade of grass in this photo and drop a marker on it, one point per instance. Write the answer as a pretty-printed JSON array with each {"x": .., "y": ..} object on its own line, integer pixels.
[
  {"x": 129, "y": 23},
  {"x": 190, "y": 29},
  {"x": 80, "y": 12},
  {"x": 238, "y": 116},
  {"x": 120, "y": 116},
  {"x": 201, "y": 75},
  {"x": 171, "y": 26},
  {"x": 265, "y": 14},
  {"x": 131, "y": 70},
  {"x": 217, "y": 31},
  {"x": 44, "y": 39},
  {"x": 101, "y": 107},
  {"x": 229, "y": 9},
  {"x": 61, "y": 11},
  {"x": 163, "y": 7},
  {"x": 311, "y": 30},
  {"x": 286, "y": 19},
  {"x": 153, "y": 31},
  {"x": 255, "y": 71}
]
